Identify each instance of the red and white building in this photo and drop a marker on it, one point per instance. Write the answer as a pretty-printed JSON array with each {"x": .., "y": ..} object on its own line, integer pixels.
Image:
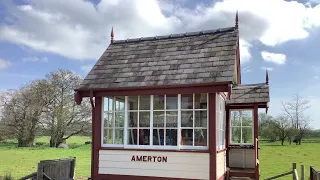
[{"x": 173, "y": 107}]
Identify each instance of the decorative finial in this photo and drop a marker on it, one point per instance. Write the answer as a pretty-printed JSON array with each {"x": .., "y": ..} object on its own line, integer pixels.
[
  {"x": 267, "y": 77},
  {"x": 112, "y": 35},
  {"x": 237, "y": 20}
]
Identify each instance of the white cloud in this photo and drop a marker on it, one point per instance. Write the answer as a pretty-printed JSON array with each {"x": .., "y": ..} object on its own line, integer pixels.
[
  {"x": 4, "y": 64},
  {"x": 267, "y": 68},
  {"x": 35, "y": 59},
  {"x": 86, "y": 68},
  {"x": 274, "y": 57},
  {"x": 80, "y": 30}
]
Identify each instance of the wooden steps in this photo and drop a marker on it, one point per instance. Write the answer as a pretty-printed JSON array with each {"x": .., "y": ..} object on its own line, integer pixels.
[{"x": 242, "y": 174}]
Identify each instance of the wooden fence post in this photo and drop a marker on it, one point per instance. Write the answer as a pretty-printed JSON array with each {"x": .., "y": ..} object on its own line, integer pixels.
[
  {"x": 310, "y": 174},
  {"x": 294, "y": 166},
  {"x": 302, "y": 172},
  {"x": 40, "y": 171}
]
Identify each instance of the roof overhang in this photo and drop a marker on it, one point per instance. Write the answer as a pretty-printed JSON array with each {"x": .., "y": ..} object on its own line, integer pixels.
[{"x": 154, "y": 90}]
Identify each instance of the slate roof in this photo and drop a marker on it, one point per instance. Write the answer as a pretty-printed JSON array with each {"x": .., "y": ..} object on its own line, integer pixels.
[
  {"x": 250, "y": 93},
  {"x": 190, "y": 58}
]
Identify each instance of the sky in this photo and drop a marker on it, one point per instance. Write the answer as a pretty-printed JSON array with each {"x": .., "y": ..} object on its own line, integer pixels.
[{"x": 42, "y": 36}]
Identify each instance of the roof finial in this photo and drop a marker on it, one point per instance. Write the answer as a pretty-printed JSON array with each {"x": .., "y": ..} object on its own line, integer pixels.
[
  {"x": 112, "y": 35},
  {"x": 267, "y": 77},
  {"x": 237, "y": 19}
]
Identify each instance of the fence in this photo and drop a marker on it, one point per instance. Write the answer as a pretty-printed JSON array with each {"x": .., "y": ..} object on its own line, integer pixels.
[
  {"x": 314, "y": 173},
  {"x": 58, "y": 169}
]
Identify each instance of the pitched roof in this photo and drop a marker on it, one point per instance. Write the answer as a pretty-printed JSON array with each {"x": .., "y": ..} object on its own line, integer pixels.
[
  {"x": 190, "y": 58},
  {"x": 250, "y": 93}
]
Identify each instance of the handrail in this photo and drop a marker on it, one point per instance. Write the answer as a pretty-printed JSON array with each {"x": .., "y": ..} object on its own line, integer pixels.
[{"x": 279, "y": 175}]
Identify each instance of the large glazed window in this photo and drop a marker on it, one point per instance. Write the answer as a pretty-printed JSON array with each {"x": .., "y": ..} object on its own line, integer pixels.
[
  {"x": 156, "y": 121},
  {"x": 241, "y": 126}
]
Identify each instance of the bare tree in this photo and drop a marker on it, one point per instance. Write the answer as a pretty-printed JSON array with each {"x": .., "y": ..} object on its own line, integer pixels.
[
  {"x": 21, "y": 111},
  {"x": 283, "y": 128},
  {"x": 63, "y": 117},
  {"x": 294, "y": 110}
]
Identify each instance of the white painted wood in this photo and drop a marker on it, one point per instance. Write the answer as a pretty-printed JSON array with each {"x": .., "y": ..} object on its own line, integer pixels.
[
  {"x": 221, "y": 164},
  {"x": 179, "y": 164}
]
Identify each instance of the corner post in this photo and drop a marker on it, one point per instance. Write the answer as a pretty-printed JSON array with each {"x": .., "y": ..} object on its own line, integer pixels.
[
  {"x": 255, "y": 128},
  {"x": 212, "y": 137}
]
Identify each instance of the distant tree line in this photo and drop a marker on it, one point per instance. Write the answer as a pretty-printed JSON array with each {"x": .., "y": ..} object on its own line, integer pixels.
[
  {"x": 44, "y": 107},
  {"x": 293, "y": 125}
]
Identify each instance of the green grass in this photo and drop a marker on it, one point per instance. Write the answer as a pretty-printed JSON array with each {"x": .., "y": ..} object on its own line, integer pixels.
[
  {"x": 20, "y": 162},
  {"x": 274, "y": 158}
]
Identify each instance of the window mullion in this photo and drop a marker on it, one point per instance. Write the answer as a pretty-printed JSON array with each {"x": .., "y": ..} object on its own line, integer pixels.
[
  {"x": 165, "y": 121},
  {"x": 241, "y": 126},
  {"x": 179, "y": 121},
  {"x": 151, "y": 121},
  {"x": 125, "y": 133},
  {"x": 138, "y": 122},
  {"x": 113, "y": 120}
]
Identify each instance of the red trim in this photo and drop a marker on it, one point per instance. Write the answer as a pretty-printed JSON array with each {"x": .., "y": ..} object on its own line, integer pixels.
[
  {"x": 247, "y": 105},
  {"x": 126, "y": 177},
  {"x": 212, "y": 136},
  {"x": 242, "y": 174},
  {"x": 255, "y": 124},
  {"x": 157, "y": 150},
  {"x": 222, "y": 150},
  {"x": 227, "y": 134},
  {"x": 182, "y": 89},
  {"x": 223, "y": 95},
  {"x": 96, "y": 137}
]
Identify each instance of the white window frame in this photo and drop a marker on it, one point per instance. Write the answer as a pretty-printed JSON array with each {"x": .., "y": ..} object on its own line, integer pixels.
[
  {"x": 230, "y": 131},
  {"x": 221, "y": 123},
  {"x": 151, "y": 146}
]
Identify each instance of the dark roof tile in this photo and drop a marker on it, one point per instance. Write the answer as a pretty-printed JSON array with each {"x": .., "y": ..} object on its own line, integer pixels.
[{"x": 250, "y": 93}]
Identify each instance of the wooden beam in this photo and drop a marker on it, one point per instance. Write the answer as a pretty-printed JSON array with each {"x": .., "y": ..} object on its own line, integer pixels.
[
  {"x": 255, "y": 130},
  {"x": 96, "y": 136},
  {"x": 227, "y": 135},
  {"x": 212, "y": 136}
]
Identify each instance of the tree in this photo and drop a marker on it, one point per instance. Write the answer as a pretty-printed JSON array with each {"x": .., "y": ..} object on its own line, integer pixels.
[
  {"x": 294, "y": 111},
  {"x": 263, "y": 121},
  {"x": 282, "y": 128},
  {"x": 63, "y": 118},
  {"x": 21, "y": 111}
]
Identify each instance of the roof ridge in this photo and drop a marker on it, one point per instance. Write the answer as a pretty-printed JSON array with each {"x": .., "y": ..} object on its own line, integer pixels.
[{"x": 171, "y": 36}]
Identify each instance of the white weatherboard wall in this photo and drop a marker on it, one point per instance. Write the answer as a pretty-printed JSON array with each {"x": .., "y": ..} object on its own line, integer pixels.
[
  {"x": 186, "y": 165},
  {"x": 221, "y": 163}
]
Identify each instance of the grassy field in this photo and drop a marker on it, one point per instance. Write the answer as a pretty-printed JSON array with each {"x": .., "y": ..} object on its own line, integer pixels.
[{"x": 274, "y": 158}]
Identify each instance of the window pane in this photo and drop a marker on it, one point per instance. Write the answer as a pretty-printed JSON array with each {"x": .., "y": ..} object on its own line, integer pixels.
[
  {"x": 144, "y": 103},
  {"x": 172, "y": 101},
  {"x": 133, "y": 102},
  {"x": 186, "y": 119},
  {"x": 171, "y": 137},
  {"x": 144, "y": 119},
  {"x": 236, "y": 135},
  {"x": 235, "y": 118},
  {"x": 200, "y": 137},
  {"x": 158, "y": 119},
  {"x": 132, "y": 136},
  {"x": 200, "y": 119},
  {"x": 247, "y": 135},
  {"x": 118, "y": 136},
  {"x": 119, "y": 120},
  {"x": 144, "y": 135},
  {"x": 186, "y": 137},
  {"x": 247, "y": 117},
  {"x": 158, "y": 102},
  {"x": 158, "y": 137},
  {"x": 187, "y": 101},
  {"x": 120, "y": 103},
  {"x": 108, "y": 120},
  {"x": 133, "y": 119},
  {"x": 172, "y": 119},
  {"x": 200, "y": 101},
  {"x": 107, "y": 136},
  {"x": 110, "y": 104}
]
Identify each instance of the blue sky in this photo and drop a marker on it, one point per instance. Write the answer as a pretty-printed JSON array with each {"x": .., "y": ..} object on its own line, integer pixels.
[{"x": 40, "y": 36}]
